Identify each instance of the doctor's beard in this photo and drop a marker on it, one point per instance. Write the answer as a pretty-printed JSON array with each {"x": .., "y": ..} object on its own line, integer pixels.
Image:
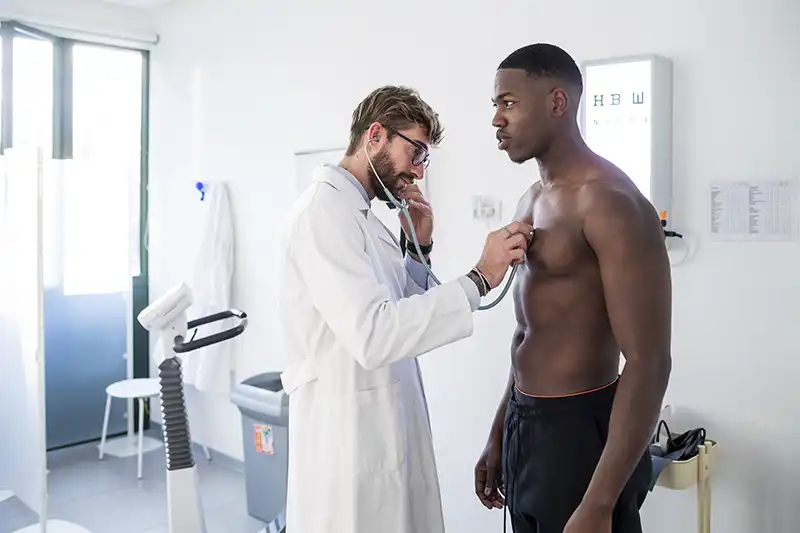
[{"x": 393, "y": 180}]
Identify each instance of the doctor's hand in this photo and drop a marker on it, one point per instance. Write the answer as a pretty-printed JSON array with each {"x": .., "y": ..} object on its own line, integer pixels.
[
  {"x": 503, "y": 248},
  {"x": 421, "y": 216}
]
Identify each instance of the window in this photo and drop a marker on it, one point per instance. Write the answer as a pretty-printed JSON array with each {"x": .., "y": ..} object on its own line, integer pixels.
[
  {"x": 32, "y": 83},
  {"x": 2, "y": 139},
  {"x": 83, "y": 106},
  {"x": 32, "y": 129},
  {"x": 101, "y": 187},
  {"x": 107, "y": 103}
]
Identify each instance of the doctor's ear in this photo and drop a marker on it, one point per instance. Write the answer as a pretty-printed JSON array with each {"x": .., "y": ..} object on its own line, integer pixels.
[{"x": 374, "y": 133}]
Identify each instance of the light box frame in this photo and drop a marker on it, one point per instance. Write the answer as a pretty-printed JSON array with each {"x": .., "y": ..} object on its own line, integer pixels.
[{"x": 661, "y": 127}]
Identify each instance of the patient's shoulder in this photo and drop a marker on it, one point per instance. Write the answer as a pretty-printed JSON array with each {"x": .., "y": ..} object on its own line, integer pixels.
[{"x": 524, "y": 209}]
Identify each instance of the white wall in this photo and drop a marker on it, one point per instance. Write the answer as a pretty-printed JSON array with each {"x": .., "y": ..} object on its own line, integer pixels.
[
  {"x": 94, "y": 16},
  {"x": 239, "y": 86}
]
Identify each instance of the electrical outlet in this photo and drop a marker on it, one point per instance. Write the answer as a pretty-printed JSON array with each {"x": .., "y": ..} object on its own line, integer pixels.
[{"x": 486, "y": 208}]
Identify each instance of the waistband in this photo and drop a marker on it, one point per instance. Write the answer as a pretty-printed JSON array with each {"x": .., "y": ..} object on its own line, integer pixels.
[{"x": 601, "y": 396}]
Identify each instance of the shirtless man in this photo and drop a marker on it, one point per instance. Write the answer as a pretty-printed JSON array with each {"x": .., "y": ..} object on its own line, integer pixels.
[{"x": 568, "y": 447}]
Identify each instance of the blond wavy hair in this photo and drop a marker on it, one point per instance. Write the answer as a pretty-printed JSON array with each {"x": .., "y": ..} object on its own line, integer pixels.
[{"x": 396, "y": 108}]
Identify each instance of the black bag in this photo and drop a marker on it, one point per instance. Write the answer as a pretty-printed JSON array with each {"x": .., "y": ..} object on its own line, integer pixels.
[{"x": 680, "y": 448}]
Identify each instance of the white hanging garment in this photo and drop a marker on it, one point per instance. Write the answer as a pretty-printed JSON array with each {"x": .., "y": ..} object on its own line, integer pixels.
[{"x": 209, "y": 369}]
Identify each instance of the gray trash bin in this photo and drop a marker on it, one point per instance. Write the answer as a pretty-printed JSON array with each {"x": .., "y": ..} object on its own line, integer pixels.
[{"x": 265, "y": 418}]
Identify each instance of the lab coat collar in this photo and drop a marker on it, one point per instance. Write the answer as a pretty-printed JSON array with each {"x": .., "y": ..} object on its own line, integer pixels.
[
  {"x": 335, "y": 177},
  {"x": 352, "y": 179}
]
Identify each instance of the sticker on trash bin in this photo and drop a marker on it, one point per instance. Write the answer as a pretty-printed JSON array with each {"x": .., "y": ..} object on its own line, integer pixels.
[{"x": 265, "y": 442}]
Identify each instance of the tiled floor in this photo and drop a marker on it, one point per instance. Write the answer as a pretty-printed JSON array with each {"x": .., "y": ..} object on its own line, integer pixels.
[{"x": 106, "y": 497}]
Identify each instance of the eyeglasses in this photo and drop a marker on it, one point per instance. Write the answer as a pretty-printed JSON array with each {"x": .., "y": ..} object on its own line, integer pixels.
[{"x": 420, "y": 150}]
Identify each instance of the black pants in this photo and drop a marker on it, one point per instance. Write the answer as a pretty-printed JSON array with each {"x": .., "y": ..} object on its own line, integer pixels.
[{"x": 551, "y": 447}]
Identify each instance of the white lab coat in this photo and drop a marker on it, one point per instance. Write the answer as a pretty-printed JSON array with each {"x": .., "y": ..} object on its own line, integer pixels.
[
  {"x": 209, "y": 368},
  {"x": 360, "y": 450}
]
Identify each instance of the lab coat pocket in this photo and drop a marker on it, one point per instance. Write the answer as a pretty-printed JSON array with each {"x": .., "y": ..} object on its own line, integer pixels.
[{"x": 381, "y": 423}]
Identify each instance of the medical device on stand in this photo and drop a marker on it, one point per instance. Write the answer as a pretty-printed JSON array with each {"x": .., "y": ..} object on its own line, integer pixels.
[{"x": 167, "y": 317}]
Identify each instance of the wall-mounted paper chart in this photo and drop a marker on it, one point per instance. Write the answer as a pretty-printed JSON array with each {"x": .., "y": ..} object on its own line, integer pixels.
[{"x": 754, "y": 210}]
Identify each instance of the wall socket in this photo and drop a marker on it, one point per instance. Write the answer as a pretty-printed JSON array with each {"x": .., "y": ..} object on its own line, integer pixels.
[{"x": 486, "y": 208}]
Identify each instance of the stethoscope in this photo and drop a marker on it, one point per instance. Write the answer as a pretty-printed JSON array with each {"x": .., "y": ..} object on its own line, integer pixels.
[{"x": 402, "y": 205}]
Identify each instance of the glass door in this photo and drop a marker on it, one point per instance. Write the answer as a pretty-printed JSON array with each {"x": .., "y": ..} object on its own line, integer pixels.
[{"x": 88, "y": 313}]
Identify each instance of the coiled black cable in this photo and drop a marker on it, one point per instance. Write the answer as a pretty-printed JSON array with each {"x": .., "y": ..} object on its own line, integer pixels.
[{"x": 177, "y": 439}]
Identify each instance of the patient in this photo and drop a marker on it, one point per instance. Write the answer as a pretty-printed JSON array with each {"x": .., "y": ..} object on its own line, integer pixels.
[{"x": 570, "y": 433}]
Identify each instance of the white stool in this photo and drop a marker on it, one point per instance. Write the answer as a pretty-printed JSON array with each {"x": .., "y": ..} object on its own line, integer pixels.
[{"x": 137, "y": 389}]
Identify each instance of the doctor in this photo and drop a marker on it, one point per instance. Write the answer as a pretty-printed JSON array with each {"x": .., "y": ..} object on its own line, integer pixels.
[{"x": 356, "y": 314}]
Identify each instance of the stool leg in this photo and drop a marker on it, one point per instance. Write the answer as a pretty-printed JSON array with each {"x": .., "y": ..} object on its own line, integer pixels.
[
  {"x": 105, "y": 424},
  {"x": 141, "y": 434}
]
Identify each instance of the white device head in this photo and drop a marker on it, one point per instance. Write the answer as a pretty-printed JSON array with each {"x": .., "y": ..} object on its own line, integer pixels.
[{"x": 168, "y": 312}]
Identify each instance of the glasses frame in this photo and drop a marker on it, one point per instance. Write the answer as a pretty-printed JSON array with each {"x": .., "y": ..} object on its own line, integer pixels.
[{"x": 421, "y": 153}]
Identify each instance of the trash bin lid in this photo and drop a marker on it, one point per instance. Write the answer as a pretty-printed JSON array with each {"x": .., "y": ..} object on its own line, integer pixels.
[
  {"x": 270, "y": 381},
  {"x": 262, "y": 393}
]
